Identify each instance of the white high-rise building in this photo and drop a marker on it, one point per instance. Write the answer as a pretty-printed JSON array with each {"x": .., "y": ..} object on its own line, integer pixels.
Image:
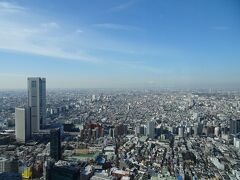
[
  {"x": 22, "y": 124},
  {"x": 217, "y": 131},
  {"x": 3, "y": 162},
  {"x": 180, "y": 131},
  {"x": 151, "y": 125},
  {"x": 37, "y": 102}
]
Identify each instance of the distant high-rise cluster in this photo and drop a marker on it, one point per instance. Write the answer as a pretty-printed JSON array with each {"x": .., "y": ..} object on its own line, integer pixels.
[{"x": 91, "y": 130}]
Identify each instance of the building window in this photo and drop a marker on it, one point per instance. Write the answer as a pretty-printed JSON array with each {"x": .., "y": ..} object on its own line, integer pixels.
[{"x": 34, "y": 83}]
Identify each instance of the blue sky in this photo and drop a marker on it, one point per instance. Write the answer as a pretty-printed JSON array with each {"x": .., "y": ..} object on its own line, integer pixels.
[{"x": 123, "y": 43}]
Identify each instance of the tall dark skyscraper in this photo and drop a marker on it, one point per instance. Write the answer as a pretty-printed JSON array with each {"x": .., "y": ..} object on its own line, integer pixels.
[
  {"x": 37, "y": 102},
  {"x": 55, "y": 144},
  {"x": 234, "y": 126}
]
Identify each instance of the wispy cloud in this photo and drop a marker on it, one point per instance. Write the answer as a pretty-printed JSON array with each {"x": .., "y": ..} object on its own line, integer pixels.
[
  {"x": 31, "y": 40},
  {"x": 50, "y": 25},
  {"x": 138, "y": 65},
  {"x": 79, "y": 31},
  {"x": 117, "y": 27},
  {"x": 123, "y": 6},
  {"x": 45, "y": 39},
  {"x": 10, "y": 7}
]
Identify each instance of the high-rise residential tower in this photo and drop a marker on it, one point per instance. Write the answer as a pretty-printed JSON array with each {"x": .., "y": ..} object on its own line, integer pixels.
[
  {"x": 234, "y": 126},
  {"x": 22, "y": 124},
  {"x": 151, "y": 125},
  {"x": 37, "y": 102}
]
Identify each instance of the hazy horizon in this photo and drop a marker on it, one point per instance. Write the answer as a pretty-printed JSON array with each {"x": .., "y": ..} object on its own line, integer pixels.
[{"x": 120, "y": 44}]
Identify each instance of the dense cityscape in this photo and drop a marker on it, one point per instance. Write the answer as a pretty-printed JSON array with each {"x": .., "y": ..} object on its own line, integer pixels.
[
  {"x": 118, "y": 134},
  {"x": 120, "y": 90}
]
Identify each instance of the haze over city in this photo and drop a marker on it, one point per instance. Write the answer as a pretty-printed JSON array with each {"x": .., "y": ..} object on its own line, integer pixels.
[
  {"x": 119, "y": 89},
  {"x": 125, "y": 43}
]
